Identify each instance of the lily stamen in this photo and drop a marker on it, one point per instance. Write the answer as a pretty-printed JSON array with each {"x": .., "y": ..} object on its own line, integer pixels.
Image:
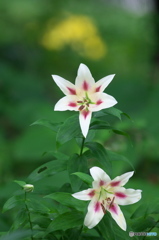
[
  {"x": 111, "y": 203},
  {"x": 81, "y": 108}
]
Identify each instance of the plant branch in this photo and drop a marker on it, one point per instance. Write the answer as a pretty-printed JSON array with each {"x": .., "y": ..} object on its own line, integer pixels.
[{"x": 27, "y": 209}]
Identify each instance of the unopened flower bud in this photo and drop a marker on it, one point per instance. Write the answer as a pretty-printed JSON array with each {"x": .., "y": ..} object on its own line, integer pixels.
[{"x": 28, "y": 187}]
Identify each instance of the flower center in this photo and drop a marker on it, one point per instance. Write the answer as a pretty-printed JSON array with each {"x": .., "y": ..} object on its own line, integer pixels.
[
  {"x": 105, "y": 199},
  {"x": 84, "y": 104}
]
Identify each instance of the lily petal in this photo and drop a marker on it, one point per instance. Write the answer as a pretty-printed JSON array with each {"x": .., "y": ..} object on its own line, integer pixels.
[
  {"x": 103, "y": 83},
  {"x": 84, "y": 79},
  {"x": 121, "y": 180},
  {"x": 94, "y": 215},
  {"x": 102, "y": 100},
  {"x": 118, "y": 216},
  {"x": 66, "y": 87},
  {"x": 67, "y": 103},
  {"x": 85, "y": 194},
  {"x": 127, "y": 196},
  {"x": 85, "y": 118},
  {"x": 99, "y": 175}
]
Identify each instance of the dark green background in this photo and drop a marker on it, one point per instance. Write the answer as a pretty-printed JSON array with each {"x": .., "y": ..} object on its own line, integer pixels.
[{"x": 28, "y": 92}]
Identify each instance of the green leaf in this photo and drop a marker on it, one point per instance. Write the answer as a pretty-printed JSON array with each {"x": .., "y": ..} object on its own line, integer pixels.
[
  {"x": 105, "y": 228},
  {"x": 143, "y": 224},
  {"x": 147, "y": 208},
  {"x": 20, "y": 183},
  {"x": 17, "y": 235},
  {"x": 69, "y": 130},
  {"x": 37, "y": 206},
  {"x": 109, "y": 111},
  {"x": 66, "y": 221},
  {"x": 109, "y": 229},
  {"x": 48, "y": 169},
  {"x": 126, "y": 115},
  {"x": 104, "y": 125},
  {"x": 20, "y": 220},
  {"x": 57, "y": 155},
  {"x": 46, "y": 123},
  {"x": 41, "y": 221},
  {"x": 100, "y": 125},
  {"x": 99, "y": 152},
  {"x": 113, "y": 156},
  {"x": 76, "y": 164},
  {"x": 84, "y": 177},
  {"x": 13, "y": 202},
  {"x": 120, "y": 132},
  {"x": 113, "y": 111},
  {"x": 67, "y": 200}
]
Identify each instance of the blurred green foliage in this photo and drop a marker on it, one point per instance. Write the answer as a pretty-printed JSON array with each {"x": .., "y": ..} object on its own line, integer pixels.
[{"x": 28, "y": 93}]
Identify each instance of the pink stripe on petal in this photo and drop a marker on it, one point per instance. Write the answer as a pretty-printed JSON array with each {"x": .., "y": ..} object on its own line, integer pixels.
[
  {"x": 99, "y": 102},
  {"x": 92, "y": 193},
  {"x": 98, "y": 89},
  {"x": 85, "y": 86},
  {"x": 114, "y": 184},
  {"x": 120, "y": 195},
  {"x": 85, "y": 113},
  {"x": 101, "y": 183},
  {"x": 72, "y": 91},
  {"x": 72, "y": 104},
  {"x": 97, "y": 207},
  {"x": 113, "y": 208}
]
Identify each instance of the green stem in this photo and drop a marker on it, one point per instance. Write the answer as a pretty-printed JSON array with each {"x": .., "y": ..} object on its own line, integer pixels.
[
  {"x": 80, "y": 232},
  {"x": 27, "y": 209},
  {"x": 82, "y": 146}
]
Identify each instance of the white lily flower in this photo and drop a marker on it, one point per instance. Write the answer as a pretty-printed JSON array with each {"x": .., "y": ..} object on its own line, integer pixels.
[
  {"x": 86, "y": 96},
  {"x": 106, "y": 195}
]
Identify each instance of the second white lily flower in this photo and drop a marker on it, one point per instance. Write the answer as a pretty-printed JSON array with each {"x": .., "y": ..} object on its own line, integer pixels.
[
  {"x": 86, "y": 96},
  {"x": 107, "y": 195}
]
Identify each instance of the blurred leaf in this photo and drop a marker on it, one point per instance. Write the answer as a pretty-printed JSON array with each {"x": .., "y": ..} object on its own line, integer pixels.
[
  {"x": 57, "y": 155},
  {"x": 13, "y": 202},
  {"x": 104, "y": 125},
  {"x": 67, "y": 200},
  {"x": 76, "y": 163},
  {"x": 143, "y": 224},
  {"x": 84, "y": 177},
  {"x": 90, "y": 136},
  {"x": 100, "y": 125},
  {"x": 109, "y": 111},
  {"x": 69, "y": 130},
  {"x": 20, "y": 220},
  {"x": 66, "y": 221},
  {"x": 113, "y": 156},
  {"x": 46, "y": 123},
  {"x": 42, "y": 221},
  {"x": 126, "y": 115},
  {"x": 20, "y": 183},
  {"x": 106, "y": 229},
  {"x": 92, "y": 238},
  {"x": 38, "y": 206},
  {"x": 120, "y": 132},
  {"x": 48, "y": 169},
  {"x": 109, "y": 229},
  {"x": 99, "y": 152},
  {"x": 146, "y": 209},
  {"x": 74, "y": 233},
  {"x": 17, "y": 235}
]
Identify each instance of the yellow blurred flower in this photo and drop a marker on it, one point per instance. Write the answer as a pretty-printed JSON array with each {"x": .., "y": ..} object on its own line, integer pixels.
[{"x": 80, "y": 33}]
